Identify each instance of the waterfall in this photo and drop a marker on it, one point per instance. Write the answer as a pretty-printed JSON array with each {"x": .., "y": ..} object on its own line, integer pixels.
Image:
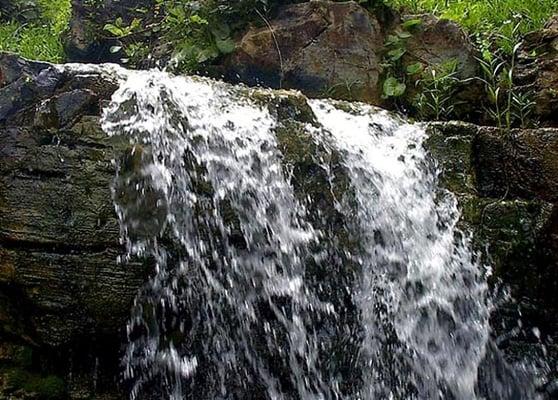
[{"x": 342, "y": 275}]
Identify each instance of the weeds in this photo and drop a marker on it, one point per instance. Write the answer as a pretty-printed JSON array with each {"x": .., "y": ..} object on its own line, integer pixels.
[
  {"x": 488, "y": 18},
  {"x": 437, "y": 89},
  {"x": 39, "y": 36},
  {"x": 507, "y": 106},
  {"x": 395, "y": 82}
]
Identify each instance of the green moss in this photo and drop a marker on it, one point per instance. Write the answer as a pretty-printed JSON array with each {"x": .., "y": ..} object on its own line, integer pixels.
[
  {"x": 295, "y": 144},
  {"x": 49, "y": 387},
  {"x": 453, "y": 153},
  {"x": 509, "y": 228}
]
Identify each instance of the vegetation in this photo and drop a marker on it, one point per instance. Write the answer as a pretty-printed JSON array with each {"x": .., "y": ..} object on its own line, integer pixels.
[
  {"x": 197, "y": 31},
  {"x": 488, "y": 20},
  {"x": 35, "y": 29},
  {"x": 436, "y": 96},
  {"x": 49, "y": 387}
]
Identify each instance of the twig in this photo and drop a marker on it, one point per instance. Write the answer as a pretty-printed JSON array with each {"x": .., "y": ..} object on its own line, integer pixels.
[{"x": 281, "y": 75}]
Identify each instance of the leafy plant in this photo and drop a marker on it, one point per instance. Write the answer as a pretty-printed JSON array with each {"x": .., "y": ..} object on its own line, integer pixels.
[
  {"x": 507, "y": 105},
  {"x": 492, "y": 68},
  {"x": 395, "y": 82},
  {"x": 522, "y": 109},
  {"x": 37, "y": 35},
  {"x": 438, "y": 86},
  {"x": 198, "y": 31},
  {"x": 118, "y": 29}
]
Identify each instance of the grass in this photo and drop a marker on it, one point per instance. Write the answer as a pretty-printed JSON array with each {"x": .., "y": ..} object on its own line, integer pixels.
[
  {"x": 488, "y": 20},
  {"x": 39, "y": 39}
]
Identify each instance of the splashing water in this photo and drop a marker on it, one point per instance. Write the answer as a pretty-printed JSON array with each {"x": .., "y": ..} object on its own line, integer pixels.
[{"x": 241, "y": 304}]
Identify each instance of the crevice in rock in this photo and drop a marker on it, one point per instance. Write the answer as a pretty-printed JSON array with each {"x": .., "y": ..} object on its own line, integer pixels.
[{"x": 55, "y": 247}]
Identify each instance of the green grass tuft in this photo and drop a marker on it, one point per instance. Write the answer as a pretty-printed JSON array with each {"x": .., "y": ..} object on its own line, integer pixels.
[
  {"x": 39, "y": 39},
  {"x": 495, "y": 19}
]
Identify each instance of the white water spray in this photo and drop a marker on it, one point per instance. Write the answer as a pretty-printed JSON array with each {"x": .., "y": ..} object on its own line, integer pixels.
[{"x": 230, "y": 312}]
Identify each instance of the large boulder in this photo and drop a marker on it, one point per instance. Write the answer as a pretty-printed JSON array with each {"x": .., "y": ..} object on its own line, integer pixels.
[
  {"x": 436, "y": 41},
  {"x": 537, "y": 72},
  {"x": 320, "y": 47}
]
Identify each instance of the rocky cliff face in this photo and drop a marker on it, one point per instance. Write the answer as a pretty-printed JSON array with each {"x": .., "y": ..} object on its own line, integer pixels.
[
  {"x": 505, "y": 182},
  {"x": 63, "y": 297},
  {"x": 64, "y": 300}
]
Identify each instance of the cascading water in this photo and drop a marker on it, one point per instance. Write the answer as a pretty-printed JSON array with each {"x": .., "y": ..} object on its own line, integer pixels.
[{"x": 241, "y": 304}]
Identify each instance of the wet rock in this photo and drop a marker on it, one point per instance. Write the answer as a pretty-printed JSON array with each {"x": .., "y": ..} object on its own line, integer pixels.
[
  {"x": 321, "y": 48},
  {"x": 517, "y": 164},
  {"x": 22, "y": 82},
  {"x": 497, "y": 163},
  {"x": 64, "y": 108},
  {"x": 537, "y": 71},
  {"x": 62, "y": 293},
  {"x": 506, "y": 183},
  {"x": 450, "y": 144}
]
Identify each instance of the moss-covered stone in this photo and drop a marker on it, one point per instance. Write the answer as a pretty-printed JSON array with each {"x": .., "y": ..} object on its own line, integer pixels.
[
  {"x": 451, "y": 146},
  {"x": 49, "y": 387},
  {"x": 504, "y": 183},
  {"x": 504, "y": 228}
]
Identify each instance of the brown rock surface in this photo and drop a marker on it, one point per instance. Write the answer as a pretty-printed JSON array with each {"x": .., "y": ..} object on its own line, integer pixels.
[
  {"x": 59, "y": 235},
  {"x": 321, "y": 48},
  {"x": 537, "y": 71}
]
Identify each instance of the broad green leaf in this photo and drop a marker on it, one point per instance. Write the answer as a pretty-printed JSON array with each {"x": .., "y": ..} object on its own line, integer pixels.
[
  {"x": 225, "y": 46},
  {"x": 115, "y": 30},
  {"x": 415, "y": 68},
  {"x": 411, "y": 23},
  {"x": 115, "y": 49},
  {"x": 136, "y": 23},
  {"x": 221, "y": 31},
  {"x": 392, "y": 39},
  {"x": 196, "y": 19},
  {"x": 393, "y": 88},
  {"x": 396, "y": 54},
  {"x": 404, "y": 35}
]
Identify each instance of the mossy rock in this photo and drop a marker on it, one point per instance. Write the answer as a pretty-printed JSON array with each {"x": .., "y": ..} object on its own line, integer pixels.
[
  {"x": 44, "y": 387},
  {"x": 451, "y": 145}
]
